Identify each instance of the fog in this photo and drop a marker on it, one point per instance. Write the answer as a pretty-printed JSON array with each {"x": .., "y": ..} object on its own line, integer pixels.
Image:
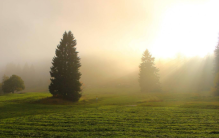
[{"x": 111, "y": 38}]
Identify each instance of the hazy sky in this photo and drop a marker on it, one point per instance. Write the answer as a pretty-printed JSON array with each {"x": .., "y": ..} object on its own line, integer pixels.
[{"x": 120, "y": 30}]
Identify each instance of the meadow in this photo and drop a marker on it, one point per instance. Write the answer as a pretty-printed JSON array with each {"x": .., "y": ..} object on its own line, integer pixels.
[{"x": 118, "y": 112}]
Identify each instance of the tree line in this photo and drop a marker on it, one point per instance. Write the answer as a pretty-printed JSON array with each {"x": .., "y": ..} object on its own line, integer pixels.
[
  {"x": 32, "y": 77},
  {"x": 65, "y": 75}
]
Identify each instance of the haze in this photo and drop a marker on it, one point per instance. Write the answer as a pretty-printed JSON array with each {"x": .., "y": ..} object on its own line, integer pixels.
[
  {"x": 149, "y": 68},
  {"x": 111, "y": 35}
]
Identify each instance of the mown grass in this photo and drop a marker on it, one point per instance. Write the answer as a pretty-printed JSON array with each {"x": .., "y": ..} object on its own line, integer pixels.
[{"x": 118, "y": 112}]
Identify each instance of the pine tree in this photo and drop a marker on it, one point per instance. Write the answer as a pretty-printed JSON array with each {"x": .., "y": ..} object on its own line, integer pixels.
[
  {"x": 216, "y": 71},
  {"x": 216, "y": 55},
  {"x": 64, "y": 72},
  {"x": 148, "y": 76}
]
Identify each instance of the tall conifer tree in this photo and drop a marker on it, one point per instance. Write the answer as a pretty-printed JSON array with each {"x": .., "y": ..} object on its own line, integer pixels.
[
  {"x": 64, "y": 72},
  {"x": 216, "y": 55},
  {"x": 148, "y": 76},
  {"x": 216, "y": 70}
]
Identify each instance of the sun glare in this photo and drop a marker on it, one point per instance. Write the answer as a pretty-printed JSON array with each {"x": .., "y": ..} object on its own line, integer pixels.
[{"x": 189, "y": 29}]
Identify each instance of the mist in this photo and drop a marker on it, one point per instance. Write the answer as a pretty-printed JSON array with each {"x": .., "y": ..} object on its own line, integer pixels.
[
  {"x": 111, "y": 37},
  {"x": 177, "y": 74},
  {"x": 109, "y": 68}
]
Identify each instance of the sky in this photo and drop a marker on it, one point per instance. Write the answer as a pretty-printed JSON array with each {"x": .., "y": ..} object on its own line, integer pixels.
[{"x": 118, "y": 30}]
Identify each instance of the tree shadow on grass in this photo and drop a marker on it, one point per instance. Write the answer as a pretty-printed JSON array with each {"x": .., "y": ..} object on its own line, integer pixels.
[
  {"x": 18, "y": 110},
  {"x": 54, "y": 101},
  {"x": 25, "y": 107}
]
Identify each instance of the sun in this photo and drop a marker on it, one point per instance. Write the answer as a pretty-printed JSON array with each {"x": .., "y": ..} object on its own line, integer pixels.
[{"x": 189, "y": 29}]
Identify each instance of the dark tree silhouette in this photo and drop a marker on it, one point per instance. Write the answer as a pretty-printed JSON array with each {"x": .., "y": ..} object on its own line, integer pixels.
[
  {"x": 14, "y": 83},
  {"x": 64, "y": 72},
  {"x": 4, "y": 78},
  {"x": 148, "y": 76}
]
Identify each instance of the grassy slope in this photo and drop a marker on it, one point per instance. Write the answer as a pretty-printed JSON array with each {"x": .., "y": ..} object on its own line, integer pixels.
[{"x": 119, "y": 112}]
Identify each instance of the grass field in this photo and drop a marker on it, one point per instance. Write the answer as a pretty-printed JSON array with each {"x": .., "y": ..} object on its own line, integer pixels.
[{"x": 118, "y": 112}]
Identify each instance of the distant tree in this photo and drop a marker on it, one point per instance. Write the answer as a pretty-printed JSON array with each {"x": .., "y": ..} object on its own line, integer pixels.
[
  {"x": 216, "y": 56},
  {"x": 216, "y": 70},
  {"x": 1, "y": 88},
  {"x": 215, "y": 89},
  {"x": 64, "y": 72},
  {"x": 14, "y": 83},
  {"x": 4, "y": 78},
  {"x": 148, "y": 76}
]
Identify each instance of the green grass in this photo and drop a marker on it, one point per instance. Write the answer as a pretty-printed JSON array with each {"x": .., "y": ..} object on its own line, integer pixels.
[{"x": 119, "y": 112}]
